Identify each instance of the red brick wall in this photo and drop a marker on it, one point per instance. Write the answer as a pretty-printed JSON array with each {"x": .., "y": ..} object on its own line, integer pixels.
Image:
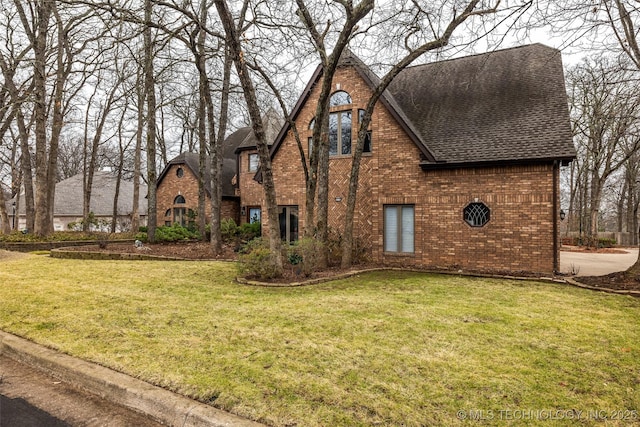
[
  {"x": 519, "y": 236},
  {"x": 187, "y": 186}
]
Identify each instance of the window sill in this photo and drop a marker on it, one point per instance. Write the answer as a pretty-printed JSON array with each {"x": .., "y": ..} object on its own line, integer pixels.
[
  {"x": 400, "y": 254},
  {"x": 347, "y": 156}
]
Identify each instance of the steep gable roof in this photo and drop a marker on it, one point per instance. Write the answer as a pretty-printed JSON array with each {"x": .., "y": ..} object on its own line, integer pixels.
[
  {"x": 272, "y": 123},
  {"x": 508, "y": 105},
  {"x": 503, "y": 106},
  {"x": 192, "y": 161}
]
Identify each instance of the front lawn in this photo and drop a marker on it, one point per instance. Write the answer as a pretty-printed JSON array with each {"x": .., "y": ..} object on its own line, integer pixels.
[{"x": 386, "y": 348}]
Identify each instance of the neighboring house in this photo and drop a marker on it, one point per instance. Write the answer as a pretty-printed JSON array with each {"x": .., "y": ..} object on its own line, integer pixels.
[
  {"x": 461, "y": 168},
  {"x": 69, "y": 199}
]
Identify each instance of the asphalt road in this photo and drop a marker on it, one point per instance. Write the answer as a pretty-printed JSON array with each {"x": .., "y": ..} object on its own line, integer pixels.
[
  {"x": 29, "y": 398},
  {"x": 590, "y": 264}
]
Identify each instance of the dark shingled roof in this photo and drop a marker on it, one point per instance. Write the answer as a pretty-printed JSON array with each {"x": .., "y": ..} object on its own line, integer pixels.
[
  {"x": 192, "y": 161},
  {"x": 507, "y": 106},
  {"x": 272, "y": 123}
]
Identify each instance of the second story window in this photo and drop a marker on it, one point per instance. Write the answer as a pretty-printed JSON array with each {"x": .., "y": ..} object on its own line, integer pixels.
[
  {"x": 339, "y": 98},
  {"x": 254, "y": 160},
  {"x": 340, "y": 133},
  {"x": 367, "y": 141}
]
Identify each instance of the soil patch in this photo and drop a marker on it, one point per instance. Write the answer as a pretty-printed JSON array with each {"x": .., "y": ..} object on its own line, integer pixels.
[
  {"x": 621, "y": 281},
  {"x": 182, "y": 250},
  {"x": 586, "y": 249}
]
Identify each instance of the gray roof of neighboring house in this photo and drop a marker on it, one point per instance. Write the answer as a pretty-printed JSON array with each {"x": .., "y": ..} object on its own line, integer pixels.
[
  {"x": 69, "y": 196},
  {"x": 506, "y": 106}
]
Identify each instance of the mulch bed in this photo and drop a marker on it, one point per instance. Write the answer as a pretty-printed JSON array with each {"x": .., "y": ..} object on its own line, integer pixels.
[
  {"x": 621, "y": 281},
  {"x": 202, "y": 251},
  {"x": 182, "y": 250}
]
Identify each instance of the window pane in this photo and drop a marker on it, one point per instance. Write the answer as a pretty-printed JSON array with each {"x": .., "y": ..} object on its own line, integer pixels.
[
  {"x": 333, "y": 134},
  {"x": 339, "y": 98},
  {"x": 293, "y": 223},
  {"x": 390, "y": 229},
  {"x": 282, "y": 219},
  {"x": 253, "y": 162},
  {"x": 367, "y": 143},
  {"x": 407, "y": 229},
  {"x": 254, "y": 215},
  {"x": 345, "y": 131}
]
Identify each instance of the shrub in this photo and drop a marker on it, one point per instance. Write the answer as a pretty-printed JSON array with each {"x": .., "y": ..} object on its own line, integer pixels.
[
  {"x": 249, "y": 231},
  {"x": 256, "y": 260},
  {"x": 606, "y": 243},
  {"x": 303, "y": 255},
  {"x": 360, "y": 250},
  {"x": 228, "y": 229},
  {"x": 174, "y": 233}
]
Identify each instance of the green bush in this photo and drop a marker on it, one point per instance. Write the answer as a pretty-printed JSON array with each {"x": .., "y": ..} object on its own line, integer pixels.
[
  {"x": 587, "y": 241},
  {"x": 249, "y": 231},
  {"x": 228, "y": 229},
  {"x": 256, "y": 260},
  {"x": 174, "y": 233},
  {"x": 606, "y": 243},
  {"x": 303, "y": 255}
]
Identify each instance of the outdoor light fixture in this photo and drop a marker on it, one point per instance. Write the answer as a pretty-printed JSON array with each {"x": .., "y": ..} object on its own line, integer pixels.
[
  {"x": 562, "y": 214},
  {"x": 13, "y": 219}
]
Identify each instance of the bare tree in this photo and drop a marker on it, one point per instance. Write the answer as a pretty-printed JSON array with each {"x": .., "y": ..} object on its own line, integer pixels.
[
  {"x": 606, "y": 108},
  {"x": 233, "y": 31}
]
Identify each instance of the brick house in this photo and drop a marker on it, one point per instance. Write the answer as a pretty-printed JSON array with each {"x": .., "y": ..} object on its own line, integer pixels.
[
  {"x": 177, "y": 191},
  {"x": 177, "y": 185},
  {"x": 461, "y": 169}
]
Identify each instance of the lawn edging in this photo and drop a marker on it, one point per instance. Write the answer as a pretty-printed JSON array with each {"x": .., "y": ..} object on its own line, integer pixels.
[
  {"x": 158, "y": 403},
  {"x": 346, "y": 275},
  {"x": 573, "y": 282}
]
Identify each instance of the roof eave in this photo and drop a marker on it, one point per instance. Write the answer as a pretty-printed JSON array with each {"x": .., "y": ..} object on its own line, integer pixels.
[{"x": 427, "y": 166}]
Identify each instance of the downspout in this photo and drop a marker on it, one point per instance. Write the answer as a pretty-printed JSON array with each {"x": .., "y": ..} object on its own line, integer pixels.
[{"x": 554, "y": 216}]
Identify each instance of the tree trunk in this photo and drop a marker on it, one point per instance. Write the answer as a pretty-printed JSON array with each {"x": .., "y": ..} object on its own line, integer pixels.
[
  {"x": 594, "y": 212},
  {"x": 217, "y": 154},
  {"x": 135, "y": 213},
  {"x": 268, "y": 186},
  {"x": 39, "y": 42},
  {"x": 203, "y": 89},
  {"x": 149, "y": 84}
]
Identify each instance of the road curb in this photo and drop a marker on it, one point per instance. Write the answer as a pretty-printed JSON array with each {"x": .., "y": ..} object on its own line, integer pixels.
[{"x": 164, "y": 406}]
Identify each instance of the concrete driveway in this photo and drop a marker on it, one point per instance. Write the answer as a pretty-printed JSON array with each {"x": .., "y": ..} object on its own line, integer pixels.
[{"x": 590, "y": 264}]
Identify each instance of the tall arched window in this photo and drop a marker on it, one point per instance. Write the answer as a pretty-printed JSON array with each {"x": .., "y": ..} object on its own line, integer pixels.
[
  {"x": 339, "y": 98},
  {"x": 180, "y": 212}
]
